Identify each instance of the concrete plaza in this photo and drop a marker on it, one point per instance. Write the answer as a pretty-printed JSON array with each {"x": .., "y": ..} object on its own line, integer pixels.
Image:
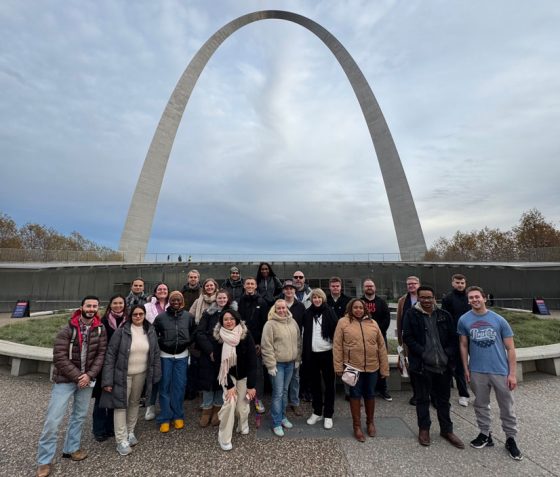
[{"x": 305, "y": 450}]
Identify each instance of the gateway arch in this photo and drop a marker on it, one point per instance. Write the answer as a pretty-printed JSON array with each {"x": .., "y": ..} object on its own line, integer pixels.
[{"x": 137, "y": 229}]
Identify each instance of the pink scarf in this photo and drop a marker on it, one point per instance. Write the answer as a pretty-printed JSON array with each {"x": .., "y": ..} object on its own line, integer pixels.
[
  {"x": 229, "y": 354},
  {"x": 112, "y": 319}
]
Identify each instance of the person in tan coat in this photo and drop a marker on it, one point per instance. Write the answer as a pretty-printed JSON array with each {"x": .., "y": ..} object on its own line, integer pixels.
[
  {"x": 358, "y": 342},
  {"x": 281, "y": 354}
]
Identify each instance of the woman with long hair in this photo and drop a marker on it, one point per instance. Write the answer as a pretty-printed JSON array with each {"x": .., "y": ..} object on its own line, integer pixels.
[
  {"x": 208, "y": 363},
  {"x": 131, "y": 362},
  {"x": 115, "y": 316},
  {"x": 281, "y": 354},
  {"x": 269, "y": 286},
  {"x": 157, "y": 304},
  {"x": 206, "y": 298},
  {"x": 237, "y": 374},
  {"x": 358, "y": 343},
  {"x": 319, "y": 325}
]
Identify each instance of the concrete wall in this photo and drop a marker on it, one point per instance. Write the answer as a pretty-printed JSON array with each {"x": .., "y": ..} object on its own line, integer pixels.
[{"x": 56, "y": 287}]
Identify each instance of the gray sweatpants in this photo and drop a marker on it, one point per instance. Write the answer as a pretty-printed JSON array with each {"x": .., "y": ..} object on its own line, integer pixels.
[{"x": 481, "y": 384}]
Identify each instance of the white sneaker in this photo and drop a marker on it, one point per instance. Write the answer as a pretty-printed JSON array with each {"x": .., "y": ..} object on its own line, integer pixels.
[
  {"x": 150, "y": 413},
  {"x": 226, "y": 447},
  {"x": 314, "y": 419},
  {"x": 328, "y": 423},
  {"x": 464, "y": 401},
  {"x": 132, "y": 440},
  {"x": 123, "y": 448}
]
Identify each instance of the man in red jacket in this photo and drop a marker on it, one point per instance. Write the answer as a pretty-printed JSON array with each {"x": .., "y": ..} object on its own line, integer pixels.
[{"x": 78, "y": 354}]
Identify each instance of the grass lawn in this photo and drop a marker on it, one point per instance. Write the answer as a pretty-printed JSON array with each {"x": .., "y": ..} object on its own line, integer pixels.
[{"x": 528, "y": 329}]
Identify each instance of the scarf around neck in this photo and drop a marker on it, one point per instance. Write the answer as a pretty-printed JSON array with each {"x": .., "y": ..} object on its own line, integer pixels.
[
  {"x": 200, "y": 302},
  {"x": 112, "y": 320},
  {"x": 231, "y": 339}
]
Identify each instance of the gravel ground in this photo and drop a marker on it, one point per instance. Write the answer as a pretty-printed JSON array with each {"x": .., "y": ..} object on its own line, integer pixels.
[{"x": 308, "y": 452}]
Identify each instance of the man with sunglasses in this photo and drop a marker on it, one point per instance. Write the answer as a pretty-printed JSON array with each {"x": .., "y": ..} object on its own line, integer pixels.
[{"x": 303, "y": 291}]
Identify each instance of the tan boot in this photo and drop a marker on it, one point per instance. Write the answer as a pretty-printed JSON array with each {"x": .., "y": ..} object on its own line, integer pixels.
[
  {"x": 205, "y": 418},
  {"x": 370, "y": 411},
  {"x": 44, "y": 470},
  {"x": 355, "y": 405},
  {"x": 215, "y": 419}
]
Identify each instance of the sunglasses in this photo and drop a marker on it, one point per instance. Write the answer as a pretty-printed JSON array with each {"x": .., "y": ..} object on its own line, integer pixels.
[{"x": 298, "y": 277}]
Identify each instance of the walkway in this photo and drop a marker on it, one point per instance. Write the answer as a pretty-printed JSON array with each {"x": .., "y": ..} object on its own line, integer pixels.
[{"x": 307, "y": 451}]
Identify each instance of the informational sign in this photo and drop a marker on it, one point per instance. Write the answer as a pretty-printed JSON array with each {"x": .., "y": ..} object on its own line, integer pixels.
[
  {"x": 539, "y": 307},
  {"x": 21, "y": 309}
]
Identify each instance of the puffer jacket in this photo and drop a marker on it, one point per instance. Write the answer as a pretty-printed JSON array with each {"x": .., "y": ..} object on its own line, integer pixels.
[
  {"x": 174, "y": 330},
  {"x": 281, "y": 340},
  {"x": 67, "y": 355},
  {"x": 360, "y": 344},
  {"x": 115, "y": 369}
]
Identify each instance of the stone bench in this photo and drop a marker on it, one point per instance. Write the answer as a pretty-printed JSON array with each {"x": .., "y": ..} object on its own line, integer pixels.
[
  {"x": 25, "y": 359},
  {"x": 545, "y": 359}
]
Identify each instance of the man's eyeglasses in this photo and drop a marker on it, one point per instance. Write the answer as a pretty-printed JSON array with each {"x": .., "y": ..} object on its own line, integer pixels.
[{"x": 298, "y": 277}]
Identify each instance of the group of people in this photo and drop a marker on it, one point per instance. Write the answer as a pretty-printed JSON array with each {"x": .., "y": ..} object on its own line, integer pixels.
[{"x": 222, "y": 343}]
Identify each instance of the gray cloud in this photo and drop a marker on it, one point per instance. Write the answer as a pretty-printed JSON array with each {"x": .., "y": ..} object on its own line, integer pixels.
[{"x": 273, "y": 153}]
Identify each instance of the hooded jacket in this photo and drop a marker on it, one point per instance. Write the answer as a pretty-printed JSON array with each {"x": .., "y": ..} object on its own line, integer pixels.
[
  {"x": 414, "y": 336},
  {"x": 281, "y": 340},
  {"x": 67, "y": 354}
]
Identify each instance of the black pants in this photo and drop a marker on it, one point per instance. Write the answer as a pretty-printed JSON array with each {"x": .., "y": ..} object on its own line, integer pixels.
[
  {"x": 321, "y": 371},
  {"x": 459, "y": 375},
  {"x": 439, "y": 387}
]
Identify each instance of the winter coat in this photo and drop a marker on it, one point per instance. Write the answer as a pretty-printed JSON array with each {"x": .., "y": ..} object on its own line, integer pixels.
[
  {"x": 109, "y": 331},
  {"x": 298, "y": 311},
  {"x": 67, "y": 354},
  {"x": 456, "y": 304},
  {"x": 115, "y": 369},
  {"x": 281, "y": 341},
  {"x": 269, "y": 289},
  {"x": 190, "y": 295},
  {"x": 174, "y": 330},
  {"x": 360, "y": 344},
  {"x": 403, "y": 305},
  {"x": 414, "y": 336},
  {"x": 339, "y": 307},
  {"x": 235, "y": 289},
  {"x": 152, "y": 310},
  {"x": 207, "y": 344},
  {"x": 328, "y": 327},
  {"x": 253, "y": 310},
  {"x": 246, "y": 366}
]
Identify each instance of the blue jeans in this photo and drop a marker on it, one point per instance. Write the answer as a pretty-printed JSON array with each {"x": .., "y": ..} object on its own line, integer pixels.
[
  {"x": 293, "y": 390},
  {"x": 280, "y": 384},
  {"x": 365, "y": 387},
  {"x": 212, "y": 398},
  {"x": 60, "y": 397},
  {"x": 172, "y": 389}
]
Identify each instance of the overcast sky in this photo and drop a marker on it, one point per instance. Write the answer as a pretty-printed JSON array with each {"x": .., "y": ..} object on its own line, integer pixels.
[{"x": 273, "y": 154}]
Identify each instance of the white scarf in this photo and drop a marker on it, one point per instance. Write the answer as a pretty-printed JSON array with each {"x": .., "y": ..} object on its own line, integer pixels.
[{"x": 231, "y": 339}]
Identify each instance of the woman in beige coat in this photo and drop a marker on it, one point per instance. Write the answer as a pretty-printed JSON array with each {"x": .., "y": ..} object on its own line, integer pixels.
[
  {"x": 358, "y": 343},
  {"x": 281, "y": 354}
]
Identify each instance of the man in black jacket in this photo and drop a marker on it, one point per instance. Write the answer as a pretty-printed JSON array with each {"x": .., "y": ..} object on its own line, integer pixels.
[
  {"x": 430, "y": 336},
  {"x": 253, "y": 310},
  {"x": 456, "y": 304},
  {"x": 336, "y": 299},
  {"x": 379, "y": 310}
]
